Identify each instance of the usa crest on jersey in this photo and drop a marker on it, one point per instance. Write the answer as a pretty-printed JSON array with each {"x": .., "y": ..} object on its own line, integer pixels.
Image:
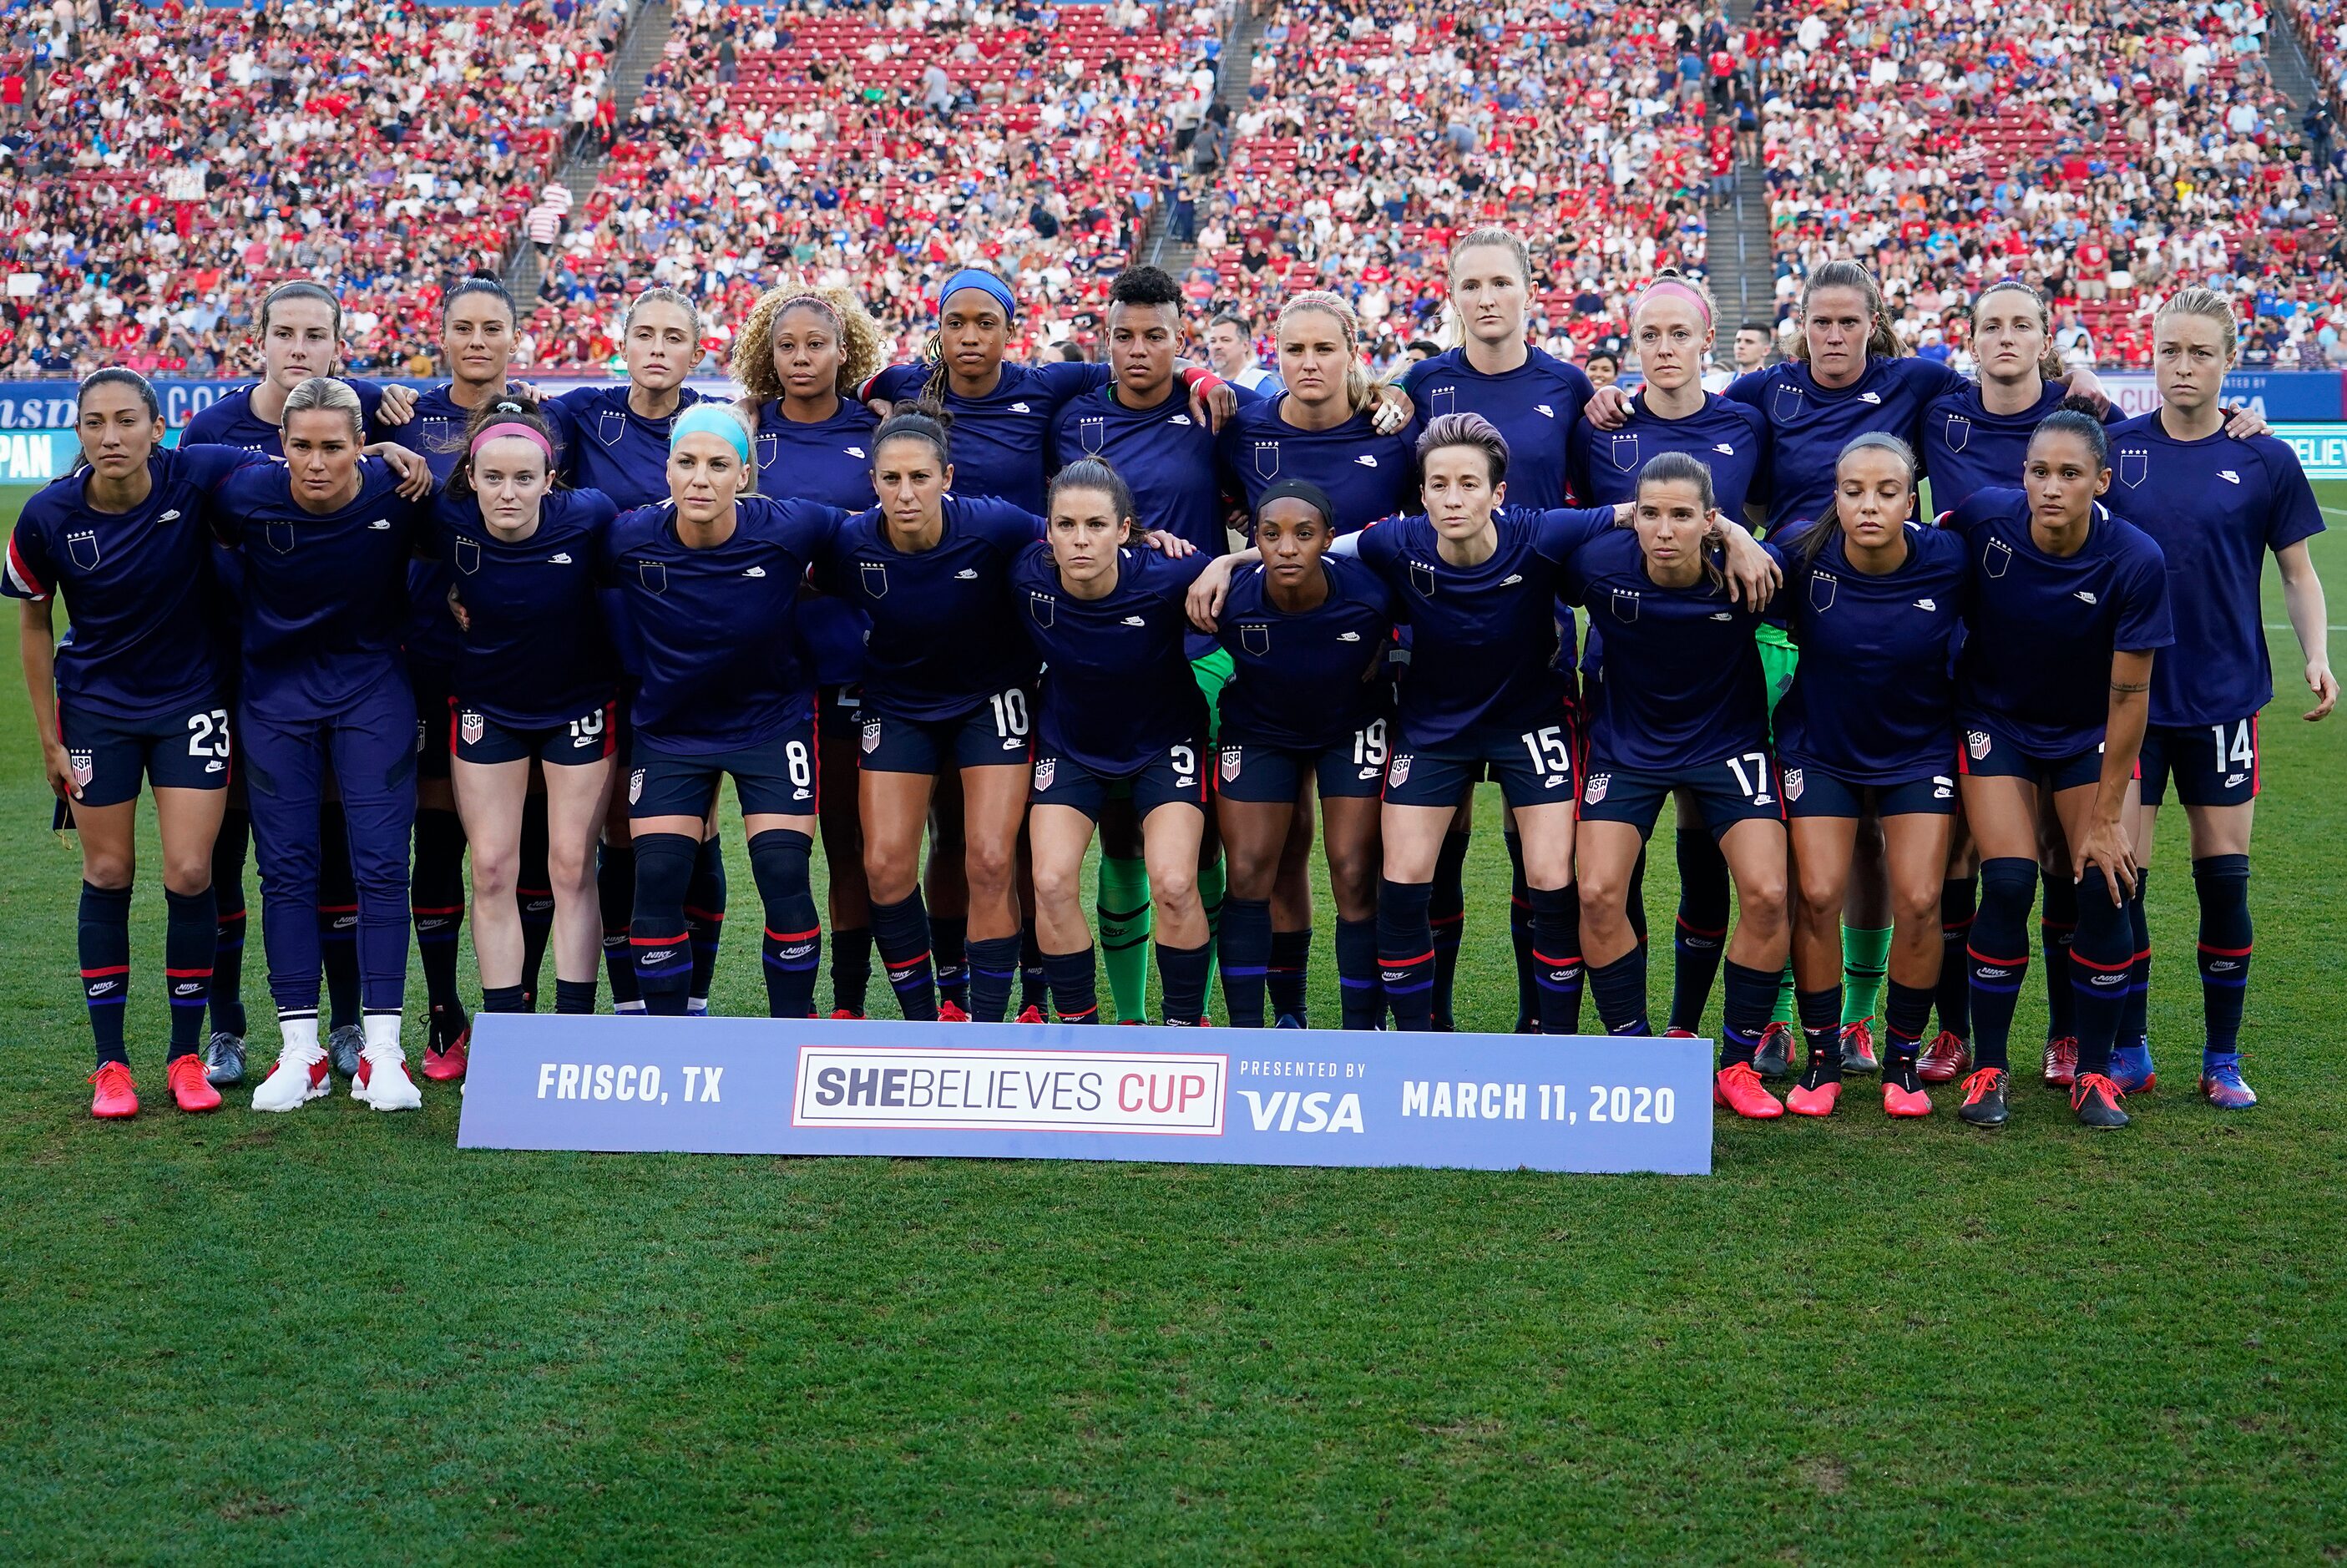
[
  {"x": 1997, "y": 558},
  {"x": 84, "y": 765},
  {"x": 1444, "y": 400},
  {"x": 1976, "y": 743},
  {"x": 470, "y": 725},
  {"x": 1233, "y": 758},
  {"x": 441, "y": 433},
  {"x": 1626, "y": 605},
  {"x": 611, "y": 423},
  {"x": 769, "y": 443},
  {"x": 466, "y": 553},
  {"x": 1956, "y": 432},
  {"x": 1046, "y": 768},
  {"x": 1044, "y": 610},
  {"x": 82, "y": 546},
  {"x": 1267, "y": 459},
  {"x": 2134, "y": 466},
  {"x": 1091, "y": 433},
  {"x": 1255, "y": 638},
  {"x": 876, "y": 578},
  {"x": 1785, "y": 402},
  {"x": 1794, "y": 784},
  {"x": 654, "y": 575},
  {"x": 1594, "y": 790},
  {"x": 1398, "y": 772},
  {"x": 280, "y": 535},
  {"x": 1421, "y": 579},
  {"x": 635, "y": 785},
  {"x": 871, "y": 735},
  {"x": 1822, "y": 592},
  {"x": 1622, "y": 446}
]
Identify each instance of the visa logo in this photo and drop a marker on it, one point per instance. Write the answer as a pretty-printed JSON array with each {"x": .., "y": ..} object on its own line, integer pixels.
[{"x": 1279, "y": 1111}]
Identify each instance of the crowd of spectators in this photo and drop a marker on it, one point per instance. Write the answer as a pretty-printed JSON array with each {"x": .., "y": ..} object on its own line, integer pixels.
[
  {"x": 2104, "y": 152},
  {"x": 165, "y": 164},
  {"x": 1376, "y": 131},
  {"x": 879, "y": 146}
]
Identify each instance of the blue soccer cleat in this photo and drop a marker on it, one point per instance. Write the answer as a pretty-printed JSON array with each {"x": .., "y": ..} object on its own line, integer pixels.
[
  {"x": 2221, "y": 1085},
  {"x": 1289, "y": 1020},
  {"x": 2131, "y": 1068}
]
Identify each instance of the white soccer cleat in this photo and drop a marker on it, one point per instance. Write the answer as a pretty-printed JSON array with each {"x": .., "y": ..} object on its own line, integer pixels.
[
  {"x": 383, "y": 1081},
  {"x": 299, "y": 1076}
]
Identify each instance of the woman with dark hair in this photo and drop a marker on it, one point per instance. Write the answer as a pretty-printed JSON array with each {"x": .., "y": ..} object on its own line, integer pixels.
[
  {"x": 1876, "y": 606},
  {"x": 799, "y": 358},
  {"x": 1679, "y": 704},
  {"x": 534, "y": 683},
  {"x": 136, "y": 692},
  {"x": 2070, "y": 604}
]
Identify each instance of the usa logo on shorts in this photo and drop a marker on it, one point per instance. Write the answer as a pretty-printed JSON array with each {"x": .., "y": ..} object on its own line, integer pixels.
[
  {"x": 635, "y": 786},
  {"x": 1976, "y": 743},
  {"x": 83, "y": 766},
  {"x": 1233, "y": 757},
  {"x": 1044, "y": 771},
  {"x": 871, "y": 735},
  {"x": 1793, "y": 785},
  {"x": 1595, "y": 789},
  {"x": 1400, "y": 772},
  {"x": 470, "y": 724}
]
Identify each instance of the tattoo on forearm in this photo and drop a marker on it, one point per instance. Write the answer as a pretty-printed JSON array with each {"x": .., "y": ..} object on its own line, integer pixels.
[{"x": 2131, "y": 686}]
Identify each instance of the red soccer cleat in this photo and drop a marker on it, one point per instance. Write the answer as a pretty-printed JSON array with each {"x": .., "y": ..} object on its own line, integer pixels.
[
  {"x": 1945, "y": 1059},
  {"x": 1739, "y": 1089},
  {"x": 116, "y": 1096},
  {"x": 1031, "y": 1015},
  {"x": 1812, "y": 1100},
  {"x": 949, "y": 1013},
  {"x": 194, "y": 1093},
  {"x": 2062, "y": 1061},
  {"x": 443, "y": 1066},
  {"x": 1679, "y": 1034},
  {"x": 1902, "y": 1092},
  {"x": 837, "y": 1013}
]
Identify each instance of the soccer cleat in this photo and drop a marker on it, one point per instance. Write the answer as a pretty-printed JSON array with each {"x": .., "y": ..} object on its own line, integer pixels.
[
  {"x": 1679, "y": 1034},
  {"x": 1818, "y": 1092},
  {"x": 1902, "y": 1091},
  {"x": 345, "y": 1046},
  {"x": 224, "y": 1060},
  {"x": 2221, "y": 1085},
  {"x": 1774, "y": 1056},
  {"x": 1031, "y": 1015},
  {"x": 839, "y": 1013},
  {"x": 1287, "y": 1020},
  {"x": 2061, "y": 1062},
  {"x": 1739, "y": 1088},
  {"x": 1984, "y": 1093},
  {"x": 949, "y": 1013},
  {"x": 186, "y": 1076},
  {"x": 382, "y": 1080},
  {"x": 2094, "y": 1102},
  {"x": 297, "y": 1076},
  {"x": 1946, "y": 1058},
  {"x": 2131, "y": 1068},
  {"x": 1858, "y": 1048},
  {"x": 116, "y": 1096},
  {"x": 445, "y": 1066}
]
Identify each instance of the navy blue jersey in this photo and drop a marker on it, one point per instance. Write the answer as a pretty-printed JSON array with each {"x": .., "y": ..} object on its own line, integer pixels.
[
  {"x": 229, "y": 421},
  {"x": 1966, "y": 449},
  {"x": 1728, "y": 438},
  {"x": 945, "y": 633},
  {"x": 139, "y": 585},
  {"x": 830, "y": 462},
  {"x": 1679, "y": 683},
  {"x": 325, "y": 597},
  {"x": 2040, "y": 630},
  {"x": 602, "y": 443},
  {"x": 1298, "y": 681},
  {"x": 710, "y": 630},
  {"x": 999, "y": 440},
  {"x": 1534, "y": 405},
  {"x": 1808, "y": 425},
  {"x": 535, "y": 652},
  {"x": 2214, "y": 506},
  {"x": 1482, "y": 638},
  {"x": 438, "y": 433},
  {"x": 1873, "y": 699},
  {"x": 1367, "y": 475},
  {"x": 1117, "y": 688}
]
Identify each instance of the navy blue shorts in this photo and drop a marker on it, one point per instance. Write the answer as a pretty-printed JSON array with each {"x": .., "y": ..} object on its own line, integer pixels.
[
  {"x": 1812, "y": 791},
  {"x": 1742, "y": 788},
  {"x": 837, "y": 710},
  {"x": 590, "y": 737},
  {"x": 777, "y": 777},
  {"x": 2213, "y": 765},
  {"x": 434, "y": 695},
  {"x": 1352, "y": 769},
  {"x": 110, "y": 756},
  {"x": 994, "y": 735},
  {"x": 1171, "y": 777},
  {"x": 1536, "y": 767},
  {"x": 1989, "y": 753}
]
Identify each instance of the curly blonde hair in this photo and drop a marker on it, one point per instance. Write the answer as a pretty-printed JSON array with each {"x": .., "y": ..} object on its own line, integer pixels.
[{"x": 754, "y": 346}]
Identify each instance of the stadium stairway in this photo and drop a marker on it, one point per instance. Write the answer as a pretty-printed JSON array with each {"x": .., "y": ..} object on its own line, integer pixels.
[
  {"x": 2286, "y": 61},
  {"x": 639, "y": 51},
  {"x": 1235, "y": 76},
  {"x": 1742, "y": 270}
]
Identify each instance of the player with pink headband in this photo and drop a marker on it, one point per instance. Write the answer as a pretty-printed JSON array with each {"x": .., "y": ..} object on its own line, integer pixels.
[
  {"x": 1672, "y": 332},
  {"x": 534, "y": 679}
]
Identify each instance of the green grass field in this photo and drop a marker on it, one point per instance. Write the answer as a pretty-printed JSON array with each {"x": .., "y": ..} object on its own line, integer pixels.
[{"x": 330, "y": 1336}]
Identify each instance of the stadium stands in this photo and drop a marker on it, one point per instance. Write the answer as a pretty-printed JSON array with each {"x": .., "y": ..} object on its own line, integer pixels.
[
  {"x": 165, "y": 171},
  {"x": 2100, "y": 150}
]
